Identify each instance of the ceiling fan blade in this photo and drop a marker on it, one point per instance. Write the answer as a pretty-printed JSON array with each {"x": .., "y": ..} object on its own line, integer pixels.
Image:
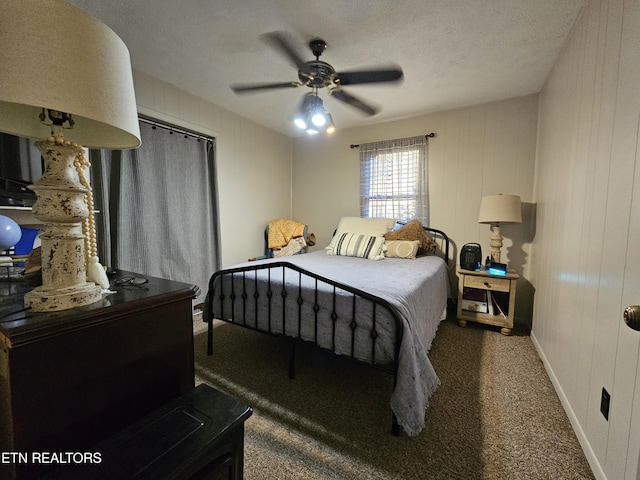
[
  {"x": 285, "y": 44},
  {"x": 255, "y": 87},
  {"x": 369, "y": 76},
  {"x": 353, "y": 101}
]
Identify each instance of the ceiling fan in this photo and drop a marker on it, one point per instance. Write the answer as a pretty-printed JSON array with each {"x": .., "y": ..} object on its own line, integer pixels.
[{"x": 317, "y": 74}]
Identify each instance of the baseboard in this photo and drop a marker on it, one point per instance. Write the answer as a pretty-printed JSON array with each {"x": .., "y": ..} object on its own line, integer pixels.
[{"x": 577, "y": 428}]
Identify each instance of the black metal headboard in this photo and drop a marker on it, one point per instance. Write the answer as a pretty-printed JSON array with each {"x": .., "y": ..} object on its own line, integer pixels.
[{"x": 442, "y": 239}]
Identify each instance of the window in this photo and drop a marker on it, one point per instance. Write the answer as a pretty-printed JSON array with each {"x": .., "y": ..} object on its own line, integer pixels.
[{"x": 393, "y": 179}]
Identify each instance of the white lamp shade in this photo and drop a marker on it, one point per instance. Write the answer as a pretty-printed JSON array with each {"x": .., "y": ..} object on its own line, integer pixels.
[
  {"x": 500, "y": 209},
  {"x": 56, "y": 56}
]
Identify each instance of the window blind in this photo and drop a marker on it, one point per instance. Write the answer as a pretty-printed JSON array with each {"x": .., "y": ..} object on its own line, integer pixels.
[{"x": 393, "y": 179}]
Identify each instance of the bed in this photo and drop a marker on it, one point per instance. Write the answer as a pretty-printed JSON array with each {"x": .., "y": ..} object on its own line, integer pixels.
[{"x": 383, "y": 312}]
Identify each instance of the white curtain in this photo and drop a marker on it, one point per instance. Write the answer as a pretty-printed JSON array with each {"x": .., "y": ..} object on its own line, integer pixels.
[
  {"x": 158, "y": 206},
  {"x": 393, "y": 179}
]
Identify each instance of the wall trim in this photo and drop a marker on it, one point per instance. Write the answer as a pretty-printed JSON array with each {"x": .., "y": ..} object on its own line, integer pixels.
[{"x": 577, "y": 428}]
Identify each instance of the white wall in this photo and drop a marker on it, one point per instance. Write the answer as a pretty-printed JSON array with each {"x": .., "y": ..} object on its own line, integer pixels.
[
  {"x": 253, "y": 164},
  {"x": 587, "y": 159},
  {"x": 479, "y": 150}
]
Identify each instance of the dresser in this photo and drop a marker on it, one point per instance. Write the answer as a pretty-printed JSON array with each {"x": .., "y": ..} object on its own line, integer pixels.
[{"x": 69, "y": 379}]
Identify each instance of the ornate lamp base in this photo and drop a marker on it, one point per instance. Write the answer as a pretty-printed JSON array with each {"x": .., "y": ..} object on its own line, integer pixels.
[
  {"x": 62, "y": 208},
  {"x": 496, "y": 243},
  {"x": 42, "y": 299}
]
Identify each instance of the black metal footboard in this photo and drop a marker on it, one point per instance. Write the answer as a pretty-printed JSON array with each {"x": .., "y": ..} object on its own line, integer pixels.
[{"x": 283, "y": 299}]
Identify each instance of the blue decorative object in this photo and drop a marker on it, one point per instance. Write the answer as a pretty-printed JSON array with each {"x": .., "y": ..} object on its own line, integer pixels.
[
  {"x": 10, "y": 233},
  {"x": 497, "y": 271}
]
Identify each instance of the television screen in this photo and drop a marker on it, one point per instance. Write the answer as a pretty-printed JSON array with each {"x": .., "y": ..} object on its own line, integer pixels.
[{"x": 20, "y": 165}]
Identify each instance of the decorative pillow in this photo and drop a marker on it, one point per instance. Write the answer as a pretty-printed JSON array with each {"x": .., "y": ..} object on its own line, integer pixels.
[
  {"x": 401, "y": 248},
  {"x": 374, "y": 227},
  {"x": 414, "y": 231},
  {"x": 355, "y": 245}
]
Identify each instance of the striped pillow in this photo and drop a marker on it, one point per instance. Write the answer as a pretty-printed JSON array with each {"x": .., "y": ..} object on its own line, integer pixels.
[{"x": 354, "y": 245}]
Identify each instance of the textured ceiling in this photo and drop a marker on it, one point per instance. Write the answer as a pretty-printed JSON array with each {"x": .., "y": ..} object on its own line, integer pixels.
[{"x": 453, "y": 52}]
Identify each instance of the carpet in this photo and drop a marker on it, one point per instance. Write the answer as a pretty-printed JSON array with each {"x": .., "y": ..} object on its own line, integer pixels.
[{"x": 495, "y": 414}]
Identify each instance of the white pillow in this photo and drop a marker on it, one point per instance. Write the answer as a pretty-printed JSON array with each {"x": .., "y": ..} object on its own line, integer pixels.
[
  {"x": 401, "y": 248},
  {"x": 375, "y": 227},
  {"x": 356, "y": 245}
]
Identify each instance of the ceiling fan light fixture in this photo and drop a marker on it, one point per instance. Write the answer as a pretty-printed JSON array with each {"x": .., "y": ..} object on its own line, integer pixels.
[
  {"x": 312, "y": 117},
  {"x": 300, "y": 121},
  {"x": 303, "y": 116},
  {"x": 318, "y": 118},
  {"x": 331, "y": 127},
  {"x": 316, "y": 110}
]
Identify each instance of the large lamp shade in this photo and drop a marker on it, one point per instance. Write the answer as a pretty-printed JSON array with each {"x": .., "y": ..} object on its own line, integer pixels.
[
  {"x": 58, "y": 57},
  {"x": 500, "y": 209}
]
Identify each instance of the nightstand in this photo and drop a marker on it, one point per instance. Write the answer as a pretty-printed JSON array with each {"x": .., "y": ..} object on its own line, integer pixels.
[{"x": 487, "y": 298}]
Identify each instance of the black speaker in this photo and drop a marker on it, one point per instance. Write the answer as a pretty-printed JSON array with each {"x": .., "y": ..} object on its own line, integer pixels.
[{"x": 471, "y": 256}]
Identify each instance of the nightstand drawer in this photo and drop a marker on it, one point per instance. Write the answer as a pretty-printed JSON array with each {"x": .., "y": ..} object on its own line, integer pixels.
[{"x": 487, "y": 283}]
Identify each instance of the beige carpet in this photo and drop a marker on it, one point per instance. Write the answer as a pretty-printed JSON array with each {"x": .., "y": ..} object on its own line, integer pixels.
[{"x": 494, "y": 416}]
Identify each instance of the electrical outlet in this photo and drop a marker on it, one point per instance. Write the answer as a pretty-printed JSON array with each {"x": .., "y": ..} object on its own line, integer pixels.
[{"x": 605, "y": 400}]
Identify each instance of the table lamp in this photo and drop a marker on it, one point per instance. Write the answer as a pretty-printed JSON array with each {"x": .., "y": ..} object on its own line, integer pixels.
[
  {"x": 498, "y": 210},
  {"x": 62, "y": 69}
]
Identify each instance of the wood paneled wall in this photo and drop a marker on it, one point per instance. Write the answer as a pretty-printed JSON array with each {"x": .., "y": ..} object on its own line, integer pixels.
[{"x": 587, "y": 160}]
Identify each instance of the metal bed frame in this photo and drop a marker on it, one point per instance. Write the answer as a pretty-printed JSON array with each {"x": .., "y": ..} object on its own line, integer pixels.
[{"x": 280, "y": 293}]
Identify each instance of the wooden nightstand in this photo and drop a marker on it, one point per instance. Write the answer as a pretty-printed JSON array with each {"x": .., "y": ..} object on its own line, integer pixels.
[{"x": 487, "y": 298}]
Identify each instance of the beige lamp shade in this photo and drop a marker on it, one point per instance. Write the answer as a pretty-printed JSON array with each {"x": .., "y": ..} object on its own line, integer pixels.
[
  {"x": 58, "y": 57},
  {"x": 500, "y": 209}
]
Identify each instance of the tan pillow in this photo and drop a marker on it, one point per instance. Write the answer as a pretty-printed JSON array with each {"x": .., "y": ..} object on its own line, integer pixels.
[
  {"x": 401, "y": 248},
  {"x": 414, "y": 231}
]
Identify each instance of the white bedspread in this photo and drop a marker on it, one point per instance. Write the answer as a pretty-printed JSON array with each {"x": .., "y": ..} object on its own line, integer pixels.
[{"x": 417, "y": 288}]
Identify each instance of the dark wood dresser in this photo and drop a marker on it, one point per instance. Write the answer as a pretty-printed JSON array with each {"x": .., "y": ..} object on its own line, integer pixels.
[
  {"x": 198, "y": 436},
  {"x": 72, "y": 378}
]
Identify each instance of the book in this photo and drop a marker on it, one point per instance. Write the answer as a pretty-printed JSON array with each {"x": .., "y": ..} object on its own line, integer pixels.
[{"x": 474, "y": 300}]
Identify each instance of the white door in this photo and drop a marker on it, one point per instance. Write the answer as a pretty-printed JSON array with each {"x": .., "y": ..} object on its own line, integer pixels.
[
  {"x": 623, "y": 452},
  {"x": 628, "y": 360},
  {"x": 630, "y": 339},
  {"x": 629, "y": 342},
  {"x": 623, "y": 443}
]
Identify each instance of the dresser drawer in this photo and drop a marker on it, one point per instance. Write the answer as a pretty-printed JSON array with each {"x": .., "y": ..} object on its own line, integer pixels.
[{"x": 487, "y": 283}]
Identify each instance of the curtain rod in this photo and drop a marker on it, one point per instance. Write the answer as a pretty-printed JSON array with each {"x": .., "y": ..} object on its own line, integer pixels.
[
  {"x": 428, "y": 135},
  {"x": 173, "y": 128}
]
